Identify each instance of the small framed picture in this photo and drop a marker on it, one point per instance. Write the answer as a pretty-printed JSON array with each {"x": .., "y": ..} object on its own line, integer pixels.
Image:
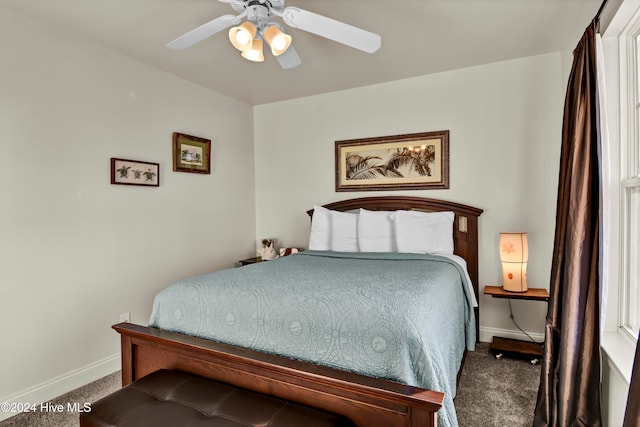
[
  {"x": 135, "y": 172},
  {"x": 191, "y": 154}
]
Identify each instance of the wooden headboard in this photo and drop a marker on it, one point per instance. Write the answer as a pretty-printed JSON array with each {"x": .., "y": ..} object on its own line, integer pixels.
[{"x": 465, "y": 230}]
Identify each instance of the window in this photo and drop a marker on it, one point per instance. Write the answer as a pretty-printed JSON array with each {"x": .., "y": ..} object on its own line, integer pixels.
[{"x": 630, "y": 178}]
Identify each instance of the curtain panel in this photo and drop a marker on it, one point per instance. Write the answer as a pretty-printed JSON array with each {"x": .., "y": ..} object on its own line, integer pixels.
[
  {"x": 632, "y": 413},
  {"x": 569, "y": 393}
]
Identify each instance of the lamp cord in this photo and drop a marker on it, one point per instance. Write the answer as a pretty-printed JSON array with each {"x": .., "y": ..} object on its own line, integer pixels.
[{"x": 518, "y": 326}]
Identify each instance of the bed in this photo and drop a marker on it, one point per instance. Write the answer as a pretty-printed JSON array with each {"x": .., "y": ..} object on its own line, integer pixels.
[{"x": 316, "y": 351}]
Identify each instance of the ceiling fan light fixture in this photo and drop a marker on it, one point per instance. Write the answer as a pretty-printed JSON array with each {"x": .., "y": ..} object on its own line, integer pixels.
[
  {"x": 278, "y": 40},
  {"x": 255, "y": 52},
  {"x": 248, "y": 36},
  {"x": 241, "y": 37}
]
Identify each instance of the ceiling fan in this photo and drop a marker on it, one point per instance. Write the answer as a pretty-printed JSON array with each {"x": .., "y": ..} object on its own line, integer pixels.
[{"x": 248, "y": 36}]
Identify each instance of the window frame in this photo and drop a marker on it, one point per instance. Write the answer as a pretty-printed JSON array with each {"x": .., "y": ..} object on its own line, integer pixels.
[{"x": 629, "y": 178}]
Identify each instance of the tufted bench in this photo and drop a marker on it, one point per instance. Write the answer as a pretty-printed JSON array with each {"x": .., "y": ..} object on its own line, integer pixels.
[{"x": 174, "y": 398}]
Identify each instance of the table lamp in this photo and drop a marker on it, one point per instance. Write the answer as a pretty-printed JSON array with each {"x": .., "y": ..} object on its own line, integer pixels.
[{"x": 514, "y": 253}]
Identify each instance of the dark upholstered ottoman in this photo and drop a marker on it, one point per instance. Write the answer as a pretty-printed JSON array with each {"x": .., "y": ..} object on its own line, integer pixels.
[{"x": 175, "y": 399}]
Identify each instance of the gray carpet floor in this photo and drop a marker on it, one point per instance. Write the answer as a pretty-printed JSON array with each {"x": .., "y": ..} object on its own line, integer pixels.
[
  {"x": 492, "y": 393},
  {"x": 496, "y": 393}
]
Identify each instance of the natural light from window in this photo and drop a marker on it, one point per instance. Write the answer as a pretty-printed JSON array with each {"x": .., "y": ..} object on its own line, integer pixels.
[{"x": 630, "y": 180}]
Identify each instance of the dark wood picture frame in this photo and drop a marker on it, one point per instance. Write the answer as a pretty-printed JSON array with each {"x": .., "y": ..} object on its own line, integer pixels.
[
  {"x": 191, "y": 153},
  {"x": 135, "y": 172},
  {"x": 414, "y": 161}
]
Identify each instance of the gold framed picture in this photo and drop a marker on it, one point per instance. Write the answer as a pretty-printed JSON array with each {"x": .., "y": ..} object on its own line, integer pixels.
[
  {"x": 191, "y": 153},
  {"x": 399, "y": 162}
]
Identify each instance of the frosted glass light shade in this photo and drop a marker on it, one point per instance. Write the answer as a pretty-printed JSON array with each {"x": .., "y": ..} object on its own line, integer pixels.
[
  {"x": 278, "y": 40},
  {"x": 255, "y": 53},
  {"x": 514, "y": 254},
  {"x": 242, "y": 36}
]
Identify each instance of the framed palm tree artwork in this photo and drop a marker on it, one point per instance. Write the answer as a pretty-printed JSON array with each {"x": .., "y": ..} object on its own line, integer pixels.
[
  {"x": 191, "y": 153},
  {"x": 400, "y": 162}
]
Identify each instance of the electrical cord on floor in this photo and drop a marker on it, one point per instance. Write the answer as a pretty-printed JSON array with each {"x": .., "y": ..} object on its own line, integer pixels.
[{"x": 518, "y": 326}]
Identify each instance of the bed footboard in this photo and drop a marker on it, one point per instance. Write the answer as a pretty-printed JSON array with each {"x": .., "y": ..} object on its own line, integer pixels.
[{"x": 366, "y": 401}]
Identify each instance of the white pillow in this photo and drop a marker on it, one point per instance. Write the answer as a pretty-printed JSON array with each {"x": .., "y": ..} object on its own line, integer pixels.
[
  {"x": 320, "y": 236},
  {"x": 344, "y": 231},
  {"x": 424, "y": 232},
  {"x": 376, "y": 231}
]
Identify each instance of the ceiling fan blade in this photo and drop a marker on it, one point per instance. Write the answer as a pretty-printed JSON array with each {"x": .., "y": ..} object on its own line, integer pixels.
[
  {"x": 203, "y": 31},
  {"x": 332, "y": 29},
  {"x": 289, "y": 59}
]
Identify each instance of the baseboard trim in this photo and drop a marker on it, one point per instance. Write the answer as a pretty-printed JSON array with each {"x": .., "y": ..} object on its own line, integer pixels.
[
  {"x": 62, "y": 384},
  {"x": 487, "y": 334}
]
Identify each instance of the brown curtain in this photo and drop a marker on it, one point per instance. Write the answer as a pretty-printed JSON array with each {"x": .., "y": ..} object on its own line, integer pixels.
[
  {"x": 569, "y": 393},
  {"x": 632, "y": 414}
]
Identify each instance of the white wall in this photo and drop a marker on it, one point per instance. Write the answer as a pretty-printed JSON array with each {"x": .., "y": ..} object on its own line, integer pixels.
[
  {"x": 505, "y": 123},
  {"x": 76, "y": 251}
]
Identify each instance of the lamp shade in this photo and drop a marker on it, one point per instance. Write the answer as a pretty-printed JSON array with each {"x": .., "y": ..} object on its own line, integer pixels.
[
  {"x": 241, "y": 37},
  {"x": 278, "y": 40},
  {"x": 514, "y": 254},
  {"x": 255, "y": 53}
]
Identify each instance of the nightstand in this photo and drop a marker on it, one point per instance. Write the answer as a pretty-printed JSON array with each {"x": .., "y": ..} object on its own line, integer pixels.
[
  {"x": 502, "y": 346},
  {"x": 248, "y": 261}
]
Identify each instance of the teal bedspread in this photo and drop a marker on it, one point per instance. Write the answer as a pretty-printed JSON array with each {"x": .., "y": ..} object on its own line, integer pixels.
[{"x": 402, "y": 317}]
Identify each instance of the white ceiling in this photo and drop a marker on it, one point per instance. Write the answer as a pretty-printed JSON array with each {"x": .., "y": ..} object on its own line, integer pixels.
[{"x": 418, "y": 37}]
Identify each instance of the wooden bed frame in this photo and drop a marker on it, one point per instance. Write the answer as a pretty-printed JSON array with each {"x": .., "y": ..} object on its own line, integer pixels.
[{"x": 366, "y": 401}]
